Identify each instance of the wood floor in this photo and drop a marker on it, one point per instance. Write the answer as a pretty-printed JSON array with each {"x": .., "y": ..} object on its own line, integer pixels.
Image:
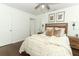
[{"x": 10, "y": 50}]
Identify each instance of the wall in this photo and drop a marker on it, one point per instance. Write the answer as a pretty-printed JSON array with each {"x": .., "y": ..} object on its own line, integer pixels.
[
  {"x": 71, "y": 15},
  {"x": 17, "y": 21},
  {"x": 14, "y": 24}
]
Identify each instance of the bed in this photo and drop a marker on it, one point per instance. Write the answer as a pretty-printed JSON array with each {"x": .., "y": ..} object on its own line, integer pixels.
[{"x": 43, "y": 45}]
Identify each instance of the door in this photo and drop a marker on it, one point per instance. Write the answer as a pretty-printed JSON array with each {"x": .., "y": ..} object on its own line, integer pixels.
[
  {"x": 19, "y": 28},
  {"x": 5, "y": 27},
  {"x": 32, "y": 26}
]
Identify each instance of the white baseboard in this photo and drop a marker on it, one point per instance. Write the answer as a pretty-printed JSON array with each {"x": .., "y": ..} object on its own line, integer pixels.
[{"x": 11, "y": 42}]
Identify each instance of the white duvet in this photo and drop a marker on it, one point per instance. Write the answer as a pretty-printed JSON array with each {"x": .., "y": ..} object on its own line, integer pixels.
[{"x": 42, "y": 45}]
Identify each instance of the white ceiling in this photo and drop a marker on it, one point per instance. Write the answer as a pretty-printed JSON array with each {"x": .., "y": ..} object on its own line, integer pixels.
[{"x": 29, "y": 7}]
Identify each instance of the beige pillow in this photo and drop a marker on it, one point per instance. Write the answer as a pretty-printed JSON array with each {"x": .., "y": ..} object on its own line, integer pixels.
[
  {"x": 57, "y": 33},
  {"x": 49, "y": 31}
]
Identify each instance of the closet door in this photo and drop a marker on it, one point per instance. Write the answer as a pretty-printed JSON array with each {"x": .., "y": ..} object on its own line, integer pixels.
[
  {"x": 32, "y": 26},
  {"x": 18, "y": 26},
  {"x": 5, "y": 27}
]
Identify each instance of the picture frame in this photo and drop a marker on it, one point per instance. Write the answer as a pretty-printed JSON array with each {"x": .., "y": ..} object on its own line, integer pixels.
[
  {"x": 52, "y": 17},
  {"x": 60, "y": 16}
]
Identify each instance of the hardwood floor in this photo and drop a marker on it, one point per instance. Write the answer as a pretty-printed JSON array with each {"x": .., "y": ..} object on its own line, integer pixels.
[{"x": 10, "y": 50}]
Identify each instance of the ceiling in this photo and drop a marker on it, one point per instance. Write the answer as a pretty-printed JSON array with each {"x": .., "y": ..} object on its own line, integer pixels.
[{"x": 29, "y": 7}]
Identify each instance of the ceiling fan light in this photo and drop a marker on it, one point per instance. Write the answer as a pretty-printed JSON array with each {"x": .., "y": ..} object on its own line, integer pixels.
[{"x": 43, "y": 6}]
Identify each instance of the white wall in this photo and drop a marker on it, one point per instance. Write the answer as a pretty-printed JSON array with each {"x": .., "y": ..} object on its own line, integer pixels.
[
  {"x": 71, "y": 15},
  {"x": 14, "y": 24}
]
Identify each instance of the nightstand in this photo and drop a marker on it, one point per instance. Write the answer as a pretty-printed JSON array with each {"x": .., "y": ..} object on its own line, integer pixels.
[{"x": 74, "y": 43}]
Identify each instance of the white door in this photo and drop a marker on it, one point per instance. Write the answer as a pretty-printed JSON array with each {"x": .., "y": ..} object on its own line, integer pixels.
[
  {"x": 18, "y": 26},
  {"x": 32, "y": 26},
  {"x": 5, "y": 27}
]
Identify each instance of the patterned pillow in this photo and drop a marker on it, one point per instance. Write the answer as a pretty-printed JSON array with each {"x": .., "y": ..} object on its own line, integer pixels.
[{"x": 49, "y": 31}]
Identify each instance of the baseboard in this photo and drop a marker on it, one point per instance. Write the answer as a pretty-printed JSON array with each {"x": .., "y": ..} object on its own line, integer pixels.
[
  {"x": 17, "y": 41},
  {"x": 7, "y": 43}
]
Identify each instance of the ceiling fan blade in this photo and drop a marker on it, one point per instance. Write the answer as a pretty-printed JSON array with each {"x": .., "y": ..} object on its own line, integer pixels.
[
  {"x": 47, "y": 7},
  {"x": 37, "y": 6}
]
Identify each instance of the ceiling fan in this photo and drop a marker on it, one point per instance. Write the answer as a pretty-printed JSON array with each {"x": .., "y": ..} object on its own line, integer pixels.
[{"x": 42, "y": 5}]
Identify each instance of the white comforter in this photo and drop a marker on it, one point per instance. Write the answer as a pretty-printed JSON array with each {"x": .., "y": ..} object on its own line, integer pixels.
[{"x": 42, "y": 45}]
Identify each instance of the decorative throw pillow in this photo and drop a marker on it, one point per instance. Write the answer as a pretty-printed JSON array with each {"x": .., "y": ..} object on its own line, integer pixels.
[
  {"x": 49, "y": 31},
  {"x": 59, "y": 31}
]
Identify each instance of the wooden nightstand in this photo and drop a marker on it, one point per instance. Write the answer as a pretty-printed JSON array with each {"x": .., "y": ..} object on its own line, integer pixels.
[{"x": 74, "y": 42}]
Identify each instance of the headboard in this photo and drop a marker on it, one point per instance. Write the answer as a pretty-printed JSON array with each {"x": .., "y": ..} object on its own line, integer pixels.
[{"x": 60, "y": 25}]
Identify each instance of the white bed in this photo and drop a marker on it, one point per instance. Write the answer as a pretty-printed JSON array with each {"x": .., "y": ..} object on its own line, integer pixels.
[{"x": 42, "y": 45}]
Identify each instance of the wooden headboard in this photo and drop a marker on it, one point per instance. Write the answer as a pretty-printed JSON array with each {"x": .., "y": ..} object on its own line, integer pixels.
[{"x": 60, "y": 25}]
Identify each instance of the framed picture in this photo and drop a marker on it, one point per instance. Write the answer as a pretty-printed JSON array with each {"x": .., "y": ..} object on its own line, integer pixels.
[
  {"x": 60, "y": 16},
  {"x": 52, "y": 17}
]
